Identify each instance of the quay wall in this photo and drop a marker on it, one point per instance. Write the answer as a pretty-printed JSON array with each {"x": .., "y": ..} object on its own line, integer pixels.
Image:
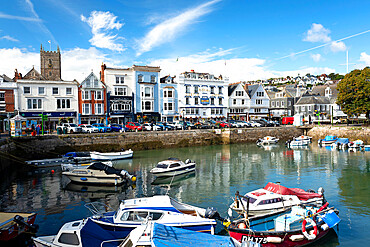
[
  {"x": 351, "y": 132},
  {"x": 40, "y": 147}
]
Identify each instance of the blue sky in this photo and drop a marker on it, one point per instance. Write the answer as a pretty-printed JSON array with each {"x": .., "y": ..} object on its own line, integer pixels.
[{"x": 243, "y": 40}]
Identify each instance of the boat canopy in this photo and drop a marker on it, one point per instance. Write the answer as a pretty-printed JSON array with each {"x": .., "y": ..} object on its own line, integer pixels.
[
  {"x": 103, "y": 167},
  {"x": 168, "y": 236},
  {"x": 330, "y": 138},
  {"x": 342, "y": 141},
  {"x": 93, "y": 235},
  {"x": 300, "y": 193}
]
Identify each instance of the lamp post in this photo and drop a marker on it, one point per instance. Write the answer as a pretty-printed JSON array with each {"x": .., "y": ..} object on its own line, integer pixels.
[{"x": 318, "y": 117}]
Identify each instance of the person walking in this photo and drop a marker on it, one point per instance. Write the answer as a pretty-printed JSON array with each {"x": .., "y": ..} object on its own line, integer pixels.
[{"x": 38, "y": 128}]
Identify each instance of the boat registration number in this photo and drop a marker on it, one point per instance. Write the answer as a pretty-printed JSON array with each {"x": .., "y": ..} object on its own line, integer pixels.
[{"x": 259, "y": 240}]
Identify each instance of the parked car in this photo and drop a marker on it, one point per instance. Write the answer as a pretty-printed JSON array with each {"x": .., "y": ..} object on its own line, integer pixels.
[
  {"x": 287, "y": 120},
  {"x": 134, "y": 126},
  {"x": 234, "y": 124},
  {"x": 101, "y": 127},
  {"x": 243, "y": 124},
  {"x": 178, "y": 125},
  {"x": 149, "y": 127},
  {"x": 255, "y": 124},
  {"x": 118, "y": 128},
  {"x": 224, "y": 125},
  {"x": 87, "y": 128},
  {"x": 165, "y": 126},
  {"x": 69, "y": 128},
  {"x": 202, "y": 125},
  {"x": 213, "y": 124}
]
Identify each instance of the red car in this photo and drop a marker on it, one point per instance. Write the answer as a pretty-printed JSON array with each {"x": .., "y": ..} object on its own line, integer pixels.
[
  {"x": 134, "y": 126},
  {"x": 224, "y": 125}
]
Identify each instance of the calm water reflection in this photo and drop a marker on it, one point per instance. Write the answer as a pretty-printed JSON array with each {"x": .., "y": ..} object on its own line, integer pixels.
[{"x": 221, "y": 171}]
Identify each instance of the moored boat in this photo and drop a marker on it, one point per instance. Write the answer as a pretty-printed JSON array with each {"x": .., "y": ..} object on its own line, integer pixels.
[
  {"x": 327, "y": 141},
  {"x": 267, "y": 140},
  {"x": 356, "y": 144},
  {"x": 340, "y": 143},
  {"x": 99, "y": 173},
  {"x": 298, "y": 226},
  {"x": 127, "y": 154},
  {"x": 14, "y": 224},
  {"x": 70, "y": 166},
  {"x": 274, "y": 197},
  {"x": 160, "y": 209},
  {"x": 172, "y": 167}
]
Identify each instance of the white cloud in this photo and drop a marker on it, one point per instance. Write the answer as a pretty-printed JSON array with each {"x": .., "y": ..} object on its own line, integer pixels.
[
  {"x": 7, "y": 37},
  {"x": 237, "y": 69},
  {"x": 317, "y": 33},
  {"x": 316, "y": 57},
  {"x": 364, "y": 57},
  {"x": 102, "y": 24},
  {"x": 169, "y": 29},
  {"x": 19, "y": 18},
  {"x": 77, "y": 63},
  {"x": 336, "y": 46}
]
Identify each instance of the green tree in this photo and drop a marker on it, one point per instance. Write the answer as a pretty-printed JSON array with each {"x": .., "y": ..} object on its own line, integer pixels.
[{"x": 354, "y": 93}]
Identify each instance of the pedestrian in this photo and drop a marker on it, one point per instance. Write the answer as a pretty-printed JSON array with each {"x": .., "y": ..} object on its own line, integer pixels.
[{"x": 38, "y": 128}]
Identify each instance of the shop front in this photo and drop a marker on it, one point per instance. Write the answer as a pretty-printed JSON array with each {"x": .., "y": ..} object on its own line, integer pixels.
[{"x": 53, "y": 119}]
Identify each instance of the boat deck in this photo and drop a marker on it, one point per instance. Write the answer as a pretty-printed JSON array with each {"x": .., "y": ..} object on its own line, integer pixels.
[{"x": 6, "y": 218}]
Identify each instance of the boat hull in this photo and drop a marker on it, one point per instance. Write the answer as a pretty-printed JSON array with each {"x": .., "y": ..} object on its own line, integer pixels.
[
  {"x": 10, "y": 229},
  {"x": 83, "y": 179},
  {"x": 112, "y": 156},
  {"x": 174, "y": 172}
]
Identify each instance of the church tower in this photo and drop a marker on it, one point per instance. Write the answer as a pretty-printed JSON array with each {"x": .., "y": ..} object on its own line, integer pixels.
[{"x": 50, "y": 64}]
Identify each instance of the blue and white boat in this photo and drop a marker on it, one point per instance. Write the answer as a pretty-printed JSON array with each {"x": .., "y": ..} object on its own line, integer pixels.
[
  {"x": 160, "y": 209},
  {"x": 158, "y": 235},
  {"x": 327, "y": 141},
  {"x": 172, "y": 167},
  {"x": 341, "y": 143}
]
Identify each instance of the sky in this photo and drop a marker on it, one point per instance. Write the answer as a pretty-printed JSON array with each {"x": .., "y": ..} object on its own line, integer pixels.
[{"x": 240, "y": 39}]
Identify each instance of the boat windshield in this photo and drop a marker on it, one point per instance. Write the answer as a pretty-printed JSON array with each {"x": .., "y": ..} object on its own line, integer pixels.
[
  {"x": 160, "y": 165},
  {"x": 175, "y": 165},
  {"x": 270, "y": 201},
  {"x": 140, "y": 215},
  {"x": 251, "y": 199}
]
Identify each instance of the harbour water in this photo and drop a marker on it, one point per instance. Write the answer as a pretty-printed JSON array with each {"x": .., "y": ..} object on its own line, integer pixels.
[{"x": 220, "y": 172}]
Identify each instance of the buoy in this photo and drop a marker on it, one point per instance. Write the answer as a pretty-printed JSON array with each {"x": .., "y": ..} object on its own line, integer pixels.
[
  {"x": 242, "y": 226},
  {"x": 52, "y": 171},
  {"x": 133, "y": 179}
]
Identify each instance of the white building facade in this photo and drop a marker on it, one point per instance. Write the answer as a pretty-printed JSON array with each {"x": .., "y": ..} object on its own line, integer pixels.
[
  {"x": 202, "y": 96},
  {"x": 260, "y": 102},
  {"x": 239, "y": 102}
]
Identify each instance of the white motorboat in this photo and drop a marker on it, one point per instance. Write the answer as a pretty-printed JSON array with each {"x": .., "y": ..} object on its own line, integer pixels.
[
  {"x": 274, "y": 197},
  {"x": 303, "y": 138},
  {"x": 356, "y": 144},
  {"x": 327, "y": 141},
  {"x": 298, "y": 142},
  {"x": 267, "y": 140},
  {"x": 127, "y": 154},
  {"x": 99, "y": 173},
  {"x": 172, "y": 167},
  {"x": 70, "y": 166},
  {"x": 160, "y": 209}
]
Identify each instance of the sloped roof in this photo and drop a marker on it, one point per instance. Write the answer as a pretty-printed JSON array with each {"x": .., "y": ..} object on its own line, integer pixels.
[
  {"x": 33, "y": 74},
  {"x": 95, "y": 77},
  {"x": 312, "y": 99},
  {"x": 6, "y": 78},
  {"x": 231, "y": 88},
  {"x": 252, "y": 89},
  {"x": 320, "y": 90}
]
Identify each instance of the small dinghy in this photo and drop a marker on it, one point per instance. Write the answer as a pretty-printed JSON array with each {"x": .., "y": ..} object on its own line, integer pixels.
[
  {"x": 267, "y": 140},
  {"x": 172, "y": 167},
  {"x": 274, "y": 197},
  {"x": 14, "y": 224},
  {"x": 99, "y": 173},
  {"x": 127, "y": 154},
  {"x": 298, "y": 226}
]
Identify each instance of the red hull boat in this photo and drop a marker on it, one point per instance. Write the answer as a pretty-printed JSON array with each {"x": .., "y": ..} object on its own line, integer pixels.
[{"x": 14, "y": 224}]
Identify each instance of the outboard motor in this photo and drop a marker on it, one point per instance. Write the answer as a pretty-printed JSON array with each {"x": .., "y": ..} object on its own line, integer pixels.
[
  {"x": 187, "y": 161},
  {"x": 321, "y": 191},
  {"x": 20, "y": 221},
  {"x": 124, "y": 173},
  {"x": 211, "y": 213}
]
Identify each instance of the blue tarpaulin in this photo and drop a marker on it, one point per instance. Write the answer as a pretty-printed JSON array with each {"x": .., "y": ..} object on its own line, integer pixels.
[
  {"x": 93, "y": 235},
  {"x": 167, "y": 236},
  {"x": 342, "y": 141}
]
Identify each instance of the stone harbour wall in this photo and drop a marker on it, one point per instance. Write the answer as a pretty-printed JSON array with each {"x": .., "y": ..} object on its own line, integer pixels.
[{"x": 351, "y": 132}]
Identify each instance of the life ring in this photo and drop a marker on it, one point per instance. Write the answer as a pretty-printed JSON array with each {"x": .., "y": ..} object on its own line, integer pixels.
[{"x": 313, "y": 235}]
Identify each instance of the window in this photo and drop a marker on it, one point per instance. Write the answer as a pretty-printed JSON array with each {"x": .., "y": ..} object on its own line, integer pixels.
[
  {"x": 196, "y": 89},
  {"x": 273, "y": 103},
  {"x": 277, "y": 103},
  {"x": 140, "y": 78},
  {"x": 152, "y": 79},
  {"x": 147, "y": 105},
  {"x": 120, "y": 106},
  {"x": 259, "y": 102},
  {"x": 147, "y": 92},
  {"x": 85, "y": 95},
  {"x": 234, "y": 101},
  {"x": 212, "y": 90},
  {"x": 55, "y": 90},
  {"x": 187, "y": 89},
  {"x": 242, "y": 101},
  {"x": 26, "y": 90},
  {"x": 120, "y": 79},
  {"x": 86, "y": 109},
  {"x": 170, "y": 106},
  {"x": 196, "y": 101},
  {"x": 120, "y": 91},
  {"x": 289, "y": 103},
  {"x": 302, "y": 108},
  {"x": 2, "y": 97},
  {"x": 260, "y": 94},
  {"x": 88, "y": 83},
  {"x": 34, "y": 104},
  {"x": 98, "y": 95},
  {"x": 68, "y": 91},
  {"x": 309, "y": 108},
  {"x": 219, "y": 90},
  {"x": 187, "y": 100},
  {"x": 239, "y": 93},
  {"x": 282, "y": 103},
  {"x": 212, "y": 101},
  {"x": 41, "y": 90},
  {"x": 165, "y": 107},
  {"x": 258, "y": 110},
  {"x": 69, "y": 239},
  {"x": 63, "y": 103},
  {"x": 220, "y": 101},
  {"x": 168, "y": 93},
  {"x": 99, "y": 109}
]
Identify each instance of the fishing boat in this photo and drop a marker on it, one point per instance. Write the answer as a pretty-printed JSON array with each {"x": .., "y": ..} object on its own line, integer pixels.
[
  {"x": 172, "y": 167},
  {"x": 14, "y": 224},
  {"x": 127, "y": 154},
  {"x": 267, "y": 140},
  {"x": 99, "y": 173},
  {"x": 160, "y": 209},
  {"x": 274, "y": 197},
  {"x": 298, "y": 226},
  {"x": 327, "y": 141},
  {"x": 303, "y": 138},
  {"x": 78, "y": 155},
  {"x": 297, "y": 143},
  {"x": 159, "y": 235},
  {"x": 356, "y": 144},
  {"x": 340, "y": 143},
  {"x": 70, "y": 166}
]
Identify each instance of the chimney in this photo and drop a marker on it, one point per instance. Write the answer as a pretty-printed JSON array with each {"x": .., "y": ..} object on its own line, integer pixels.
[
  {"x": 102, "y": 73},
  {"x": 16, "y": 74}
]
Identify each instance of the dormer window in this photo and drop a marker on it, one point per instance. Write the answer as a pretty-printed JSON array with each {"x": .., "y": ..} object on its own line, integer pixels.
[
  {"x": 140, "y": 78},
  {"x": 152, "y": 79}
]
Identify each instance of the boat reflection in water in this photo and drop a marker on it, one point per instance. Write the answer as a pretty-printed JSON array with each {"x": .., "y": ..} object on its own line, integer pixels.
[
  {"x": 173, "y": 180},
  {"x": 97, "y": 191}
]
